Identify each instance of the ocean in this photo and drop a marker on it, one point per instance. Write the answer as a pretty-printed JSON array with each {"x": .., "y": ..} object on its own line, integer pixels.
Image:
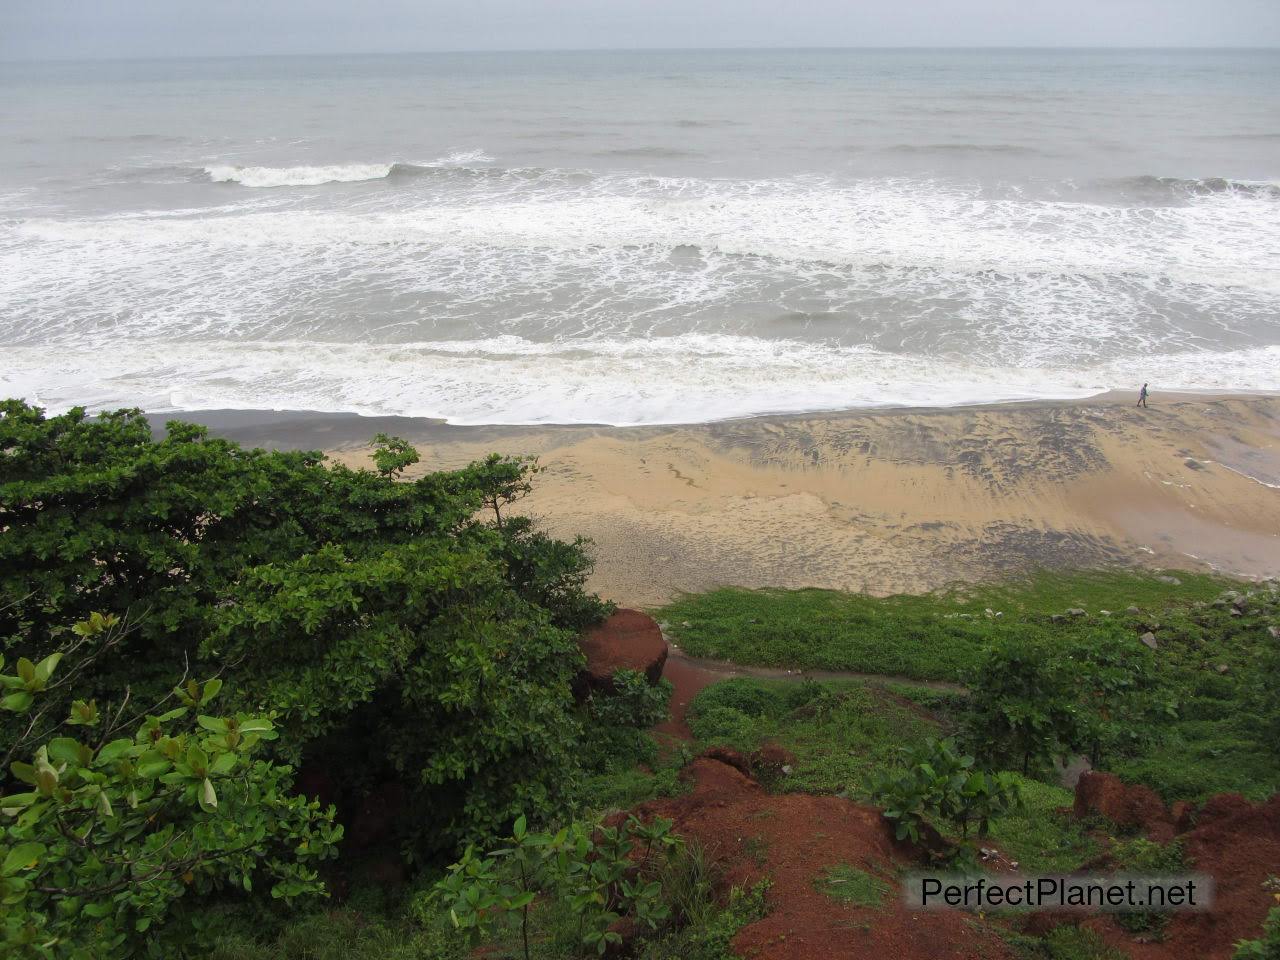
[{"x": 638, "y": 237}]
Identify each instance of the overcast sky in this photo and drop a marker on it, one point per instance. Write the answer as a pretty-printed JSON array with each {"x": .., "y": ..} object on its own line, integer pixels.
[{"x": 57, "y": 29}]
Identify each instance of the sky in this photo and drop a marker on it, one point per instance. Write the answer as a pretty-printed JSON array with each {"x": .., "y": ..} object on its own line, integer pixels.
[{"x": 92, "y": 29}]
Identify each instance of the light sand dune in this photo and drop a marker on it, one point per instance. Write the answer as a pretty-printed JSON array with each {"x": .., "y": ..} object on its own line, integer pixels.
[{"x": 903, "y": 500}]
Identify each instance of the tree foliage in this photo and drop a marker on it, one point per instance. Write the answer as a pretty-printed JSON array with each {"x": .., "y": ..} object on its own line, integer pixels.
[
  {"x": 601, "y": 872},
  {"x": 404, "y": 629},
  {"x": 120, "y": 816},
  {"x": 1031, "y": 702}
]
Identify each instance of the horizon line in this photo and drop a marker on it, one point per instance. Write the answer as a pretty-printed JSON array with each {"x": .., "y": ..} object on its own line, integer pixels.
[{"x": 1238, "y": 48}]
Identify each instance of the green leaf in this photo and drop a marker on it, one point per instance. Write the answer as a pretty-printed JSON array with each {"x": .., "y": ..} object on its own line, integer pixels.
[
  {"x": 197, "y": 760},
  {"x": 17, "y": 702},
  {"x": 210, "y": 690},
  {"x": 11, "y": 805},
  {"x": 68, "y": 751},
  {"x": 114, "y": 751},
  {"x": 215, "y": 724},
  {"x": 22, "y": 857},
  {"x": 44, "y": 669}
]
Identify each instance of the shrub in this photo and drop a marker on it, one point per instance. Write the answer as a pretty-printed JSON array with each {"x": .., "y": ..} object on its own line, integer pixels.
[
  {"x": 1266, "y": 947},
  {"x": 123, "y": 815},
  {"x": 1022, "y": 709},
  {"x": 633, "y": 702},
  {"x": 722, "y": 725},
  {"x": 601, "y": 873},
  {"x": 940, "y": 782}
]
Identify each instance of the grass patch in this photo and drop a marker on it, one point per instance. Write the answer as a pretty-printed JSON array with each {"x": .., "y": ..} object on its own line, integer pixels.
[
  {"x": 848, "y": 884},
  {"x": 1211, "y": 663},
  {"x": 1039, "y": 837},
  {"x": 840, "y": 730},
  {"x": 936, "y": 636}
]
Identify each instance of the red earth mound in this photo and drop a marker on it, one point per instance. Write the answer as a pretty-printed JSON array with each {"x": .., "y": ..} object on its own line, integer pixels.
[
  {"x": 1129, "y": 806},
  {"x": 628, "y": 640},
  {"x": 1234, "y": 841},
  {"x": 793, "y": 839}
]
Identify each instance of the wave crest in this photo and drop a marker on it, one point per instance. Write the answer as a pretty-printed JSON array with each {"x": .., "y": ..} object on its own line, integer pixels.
[{"x": 314, "y": 176}]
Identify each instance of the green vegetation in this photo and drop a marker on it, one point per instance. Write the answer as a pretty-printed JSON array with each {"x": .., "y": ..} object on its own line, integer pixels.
[
  {"x": 848, "y": 884},
  {"x": 1039, "y": 836},
  {"x": 189, "y": 628},
  {"x": 1196, "y": 716},
  {"x": 379, "y": 630},
  {"x": 842, "y": 732},
  {"x": 939, "y": 783},
  {"x": 1069, "y": 942},
  {"x": 599, "y": 873},
  {"x": 930, "y": 637},
  {"x": 1266, "y": 947},
  {"x": 122, "y": 815}
]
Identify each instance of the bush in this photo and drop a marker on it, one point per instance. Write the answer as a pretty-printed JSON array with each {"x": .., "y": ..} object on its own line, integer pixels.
[
  {"x": 633, "y": 702},
  {"x": 601, "y": 873},
  {"x": 395, "y": 632},
  {"x": 940, "y": 782},
  {"x": 723, "y": 725},
  {"x": 745, "y": 696},
  {"x": 1022, "y": 709},
  {"x": 1266, "y": 947},
  {"x": 123, "y": 815}
]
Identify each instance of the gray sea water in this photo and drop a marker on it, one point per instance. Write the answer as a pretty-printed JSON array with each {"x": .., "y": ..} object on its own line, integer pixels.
[{"x": 638, "y": 237}]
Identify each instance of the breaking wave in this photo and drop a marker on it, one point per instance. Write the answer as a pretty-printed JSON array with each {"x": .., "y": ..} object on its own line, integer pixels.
[{"x": 313, "y": 176}]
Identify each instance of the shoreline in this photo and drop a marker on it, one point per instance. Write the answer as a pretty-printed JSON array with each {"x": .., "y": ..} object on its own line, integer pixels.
[{"x": 900, "y": 500}]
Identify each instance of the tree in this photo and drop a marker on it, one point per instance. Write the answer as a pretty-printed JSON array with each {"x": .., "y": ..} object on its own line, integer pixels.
[
  {"x": 1022, "y": 707},
  {"x": 395, "y": 629},
  {"x": 120, "y": 816},
  {"x": 1121, "y": 698}
]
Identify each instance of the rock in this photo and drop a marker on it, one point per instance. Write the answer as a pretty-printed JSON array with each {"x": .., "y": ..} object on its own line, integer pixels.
[
  {"x": 1056, "y": 618},
  {"x": 1235, "y": 612},
  {"x": 1149, "y": 639},
  {"x": 1132, "y": 611},
  {"x": 628, "y": 640},
  {"x": 1172, "y": 581},
  {"x": 1222, "y": 668},
  {"x": 1075, "y": 612},
  {"x": 1104, "y": 613},
  {"x": 1275, "y": 632}
]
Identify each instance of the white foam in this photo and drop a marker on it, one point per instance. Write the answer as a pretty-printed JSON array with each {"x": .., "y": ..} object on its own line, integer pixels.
[
  {"x": 637, "y": 299},
  {"x": 623, "y": 382},
  {"x": 314, "y": 176},
  {"x": 298, "y": 176}
]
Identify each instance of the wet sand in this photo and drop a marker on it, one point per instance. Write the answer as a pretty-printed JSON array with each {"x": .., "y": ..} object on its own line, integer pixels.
[{"x": 881, "y": 501}]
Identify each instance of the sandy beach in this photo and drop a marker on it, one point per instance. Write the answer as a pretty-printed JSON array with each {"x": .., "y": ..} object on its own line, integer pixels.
[{"x": 879, "y": 501}]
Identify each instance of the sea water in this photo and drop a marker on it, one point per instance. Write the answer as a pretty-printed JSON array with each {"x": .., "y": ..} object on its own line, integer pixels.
[{"x": 638, "y": 237}]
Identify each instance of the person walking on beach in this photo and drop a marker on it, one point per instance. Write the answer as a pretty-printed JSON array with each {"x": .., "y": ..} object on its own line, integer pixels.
[{"x": 1142, "y": 397}]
